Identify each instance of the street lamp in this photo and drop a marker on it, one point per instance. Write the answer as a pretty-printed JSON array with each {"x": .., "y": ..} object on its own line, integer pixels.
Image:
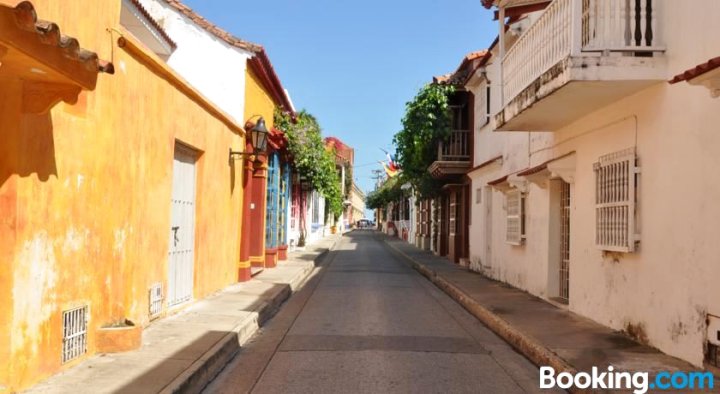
[{"x": 258, "y": 140}]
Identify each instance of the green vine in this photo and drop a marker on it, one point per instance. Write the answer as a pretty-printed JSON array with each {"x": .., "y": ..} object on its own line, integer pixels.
[
  {"x": 348, "y": 181},
  {"x": 390, "y": 191},
  {"x": 427, "y": 121},
  {"x": 311, "y": 159}
]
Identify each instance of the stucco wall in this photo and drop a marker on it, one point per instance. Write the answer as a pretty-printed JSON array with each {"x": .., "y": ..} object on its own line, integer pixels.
[
  {"x": 225, "y": 84},
  {"x": 87, "y": 189},
  {"x": 664, "y": 290},
  {"x": 257, "y": 100}
]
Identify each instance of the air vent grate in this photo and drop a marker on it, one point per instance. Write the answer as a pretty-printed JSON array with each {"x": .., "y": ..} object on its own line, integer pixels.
[
  {"x": 156, "y": 300},
  {"x": 75, "y": 322}
]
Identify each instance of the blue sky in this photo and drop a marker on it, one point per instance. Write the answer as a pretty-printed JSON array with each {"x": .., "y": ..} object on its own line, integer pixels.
[{"x": 354, "y": 64}]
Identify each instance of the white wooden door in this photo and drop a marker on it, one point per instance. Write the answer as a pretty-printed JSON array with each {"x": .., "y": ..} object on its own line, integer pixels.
[{"x": 182, "y": 227}]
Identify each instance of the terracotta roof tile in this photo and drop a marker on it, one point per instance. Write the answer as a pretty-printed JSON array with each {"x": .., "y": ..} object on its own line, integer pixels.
[
  {"x": 154, "y": 23},
  {"x": 212, "y": 28},
  {"x": 498, "y": 181},
  {"x": 697, "y": 70},
  {"x": 540, "y": 167},
  {"x": 463, "y": 72},
  {"x": 485, "y": 163},
  {"x": 48, "y": 33},
  {"x": 261, "y": 65}
]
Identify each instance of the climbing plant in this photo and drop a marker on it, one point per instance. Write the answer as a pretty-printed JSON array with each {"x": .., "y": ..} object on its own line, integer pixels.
[
  {"x": 427, "y": 121},
  {"x": 348, "y": 180},
  {"x": 311, "y": 159},
  {"x": 390, "y": 191}
]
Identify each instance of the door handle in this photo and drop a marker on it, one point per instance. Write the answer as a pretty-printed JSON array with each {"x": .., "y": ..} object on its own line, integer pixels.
[{"x": 175, "y": 230}]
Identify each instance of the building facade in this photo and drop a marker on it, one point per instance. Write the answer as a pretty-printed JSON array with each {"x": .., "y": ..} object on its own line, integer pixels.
[
  {"x": 263, "y": 174},
  {"x": 116, "y": 205},
  {"x": 589, "y": 179},
  {"x": 357, "y": 204}
]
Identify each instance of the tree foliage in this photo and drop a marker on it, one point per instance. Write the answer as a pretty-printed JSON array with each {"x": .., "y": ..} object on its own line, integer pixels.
[
  {"x": 390, "y": 191},
  {"x": 427, "y": 121},
  {"x": 311, "y": 159}
]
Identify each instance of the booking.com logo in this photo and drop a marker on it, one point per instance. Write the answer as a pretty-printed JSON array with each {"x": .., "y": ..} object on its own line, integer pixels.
[{"x": 639, "y": 382}]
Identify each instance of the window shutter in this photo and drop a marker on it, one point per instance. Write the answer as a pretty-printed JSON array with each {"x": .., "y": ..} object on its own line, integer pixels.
[
  {"x": 615, "y": 189},
  {"x": 514, "y": 231}
]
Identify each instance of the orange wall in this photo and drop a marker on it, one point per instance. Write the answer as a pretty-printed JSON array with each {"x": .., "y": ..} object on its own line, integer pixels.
[{"x": 85, "y": 199}]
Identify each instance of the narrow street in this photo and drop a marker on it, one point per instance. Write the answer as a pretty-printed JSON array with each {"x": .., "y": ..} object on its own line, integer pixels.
[{"x": 367, "y": 322}]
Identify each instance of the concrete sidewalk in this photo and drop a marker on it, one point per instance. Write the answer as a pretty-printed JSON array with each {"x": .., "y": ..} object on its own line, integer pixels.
[
  {"x": 543, "y": 332},
  {"x": 182, "y": 353}
]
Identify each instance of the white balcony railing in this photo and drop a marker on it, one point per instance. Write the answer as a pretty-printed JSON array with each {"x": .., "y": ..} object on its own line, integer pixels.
[
  {"x": 571, "y": 27},
  {"x": 456, "y": 147}
]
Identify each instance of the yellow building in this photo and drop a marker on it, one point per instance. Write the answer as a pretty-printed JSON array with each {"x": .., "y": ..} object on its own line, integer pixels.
[
  {"x": 263, "y": 197},
  {"x": 116, "y": 194}
]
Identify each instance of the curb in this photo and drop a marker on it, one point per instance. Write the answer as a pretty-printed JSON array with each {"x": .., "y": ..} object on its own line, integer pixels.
[
  {"x": 528, "y": 346},
  {"x": 209, "y": 365}
]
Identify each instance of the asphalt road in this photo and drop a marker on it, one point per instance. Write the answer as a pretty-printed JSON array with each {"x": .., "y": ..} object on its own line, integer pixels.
[{"x": 368, "y": 323}]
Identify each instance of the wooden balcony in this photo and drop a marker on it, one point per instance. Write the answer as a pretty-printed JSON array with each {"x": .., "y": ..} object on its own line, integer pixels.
[
  {"x": 454, "y": 156},
  {"x": 578, "y": 56}
]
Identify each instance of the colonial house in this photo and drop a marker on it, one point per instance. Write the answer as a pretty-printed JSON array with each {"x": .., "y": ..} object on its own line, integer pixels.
[
  {"x": 116, "y": 196},
  {"x": 249, "y": 91},
  {"x": 357, "y": 204},
  {"x": 192, "y": 35},
  {"x": 267, "y": 177},
  {"x": 442, "y": 222},
  {"x": 591, "y": 178},
  {"x": 344, "y": 162}
]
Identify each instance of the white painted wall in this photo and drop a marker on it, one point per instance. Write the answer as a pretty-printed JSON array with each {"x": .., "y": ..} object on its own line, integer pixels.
[
  {"x": 669, "y": 285},
  {"x": 208, "y": 63}
]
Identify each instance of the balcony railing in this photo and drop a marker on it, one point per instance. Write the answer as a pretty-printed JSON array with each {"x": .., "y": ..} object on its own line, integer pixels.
[
  {"x": 456, "y": 147},
  {"x": 571, "y": 27}
]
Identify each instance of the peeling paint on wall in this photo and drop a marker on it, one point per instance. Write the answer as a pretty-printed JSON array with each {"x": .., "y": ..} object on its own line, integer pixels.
[
  {"x": 75, "y": 240},
  {"x": 34, "y": 297}
]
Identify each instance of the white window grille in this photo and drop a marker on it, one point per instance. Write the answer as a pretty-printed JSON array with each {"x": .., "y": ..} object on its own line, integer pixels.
[
  {"x": 615, "y": 189},
  {"x": 156, "y": 299},
  {"x": 75, "y": 322},
  {"x": 515, "y": 231}
]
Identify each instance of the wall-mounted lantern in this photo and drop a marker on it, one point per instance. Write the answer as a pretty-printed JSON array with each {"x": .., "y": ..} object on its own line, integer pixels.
[{"x": 258, "y": 140}]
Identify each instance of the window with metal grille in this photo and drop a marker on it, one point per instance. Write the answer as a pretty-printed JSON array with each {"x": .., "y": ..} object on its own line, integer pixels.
[
  {"x": 515, "y": 231},
  {"x": 615, "y": 190},
  {"x": 156, "y": 300},
  {"x": 74, "y": 333},
  {"x": 565, "y": 241}
]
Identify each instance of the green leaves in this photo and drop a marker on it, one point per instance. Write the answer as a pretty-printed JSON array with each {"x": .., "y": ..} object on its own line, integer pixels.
[
  {"x": 390, "y": 191},
  {"x": 426, "y": 122},
  {"x": 311, "y": 159}
]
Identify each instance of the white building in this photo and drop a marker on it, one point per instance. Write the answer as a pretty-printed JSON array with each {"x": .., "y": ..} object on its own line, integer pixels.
[
  {"x": 593, "y": 182},
  {"x": 210, "y": 59}
]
